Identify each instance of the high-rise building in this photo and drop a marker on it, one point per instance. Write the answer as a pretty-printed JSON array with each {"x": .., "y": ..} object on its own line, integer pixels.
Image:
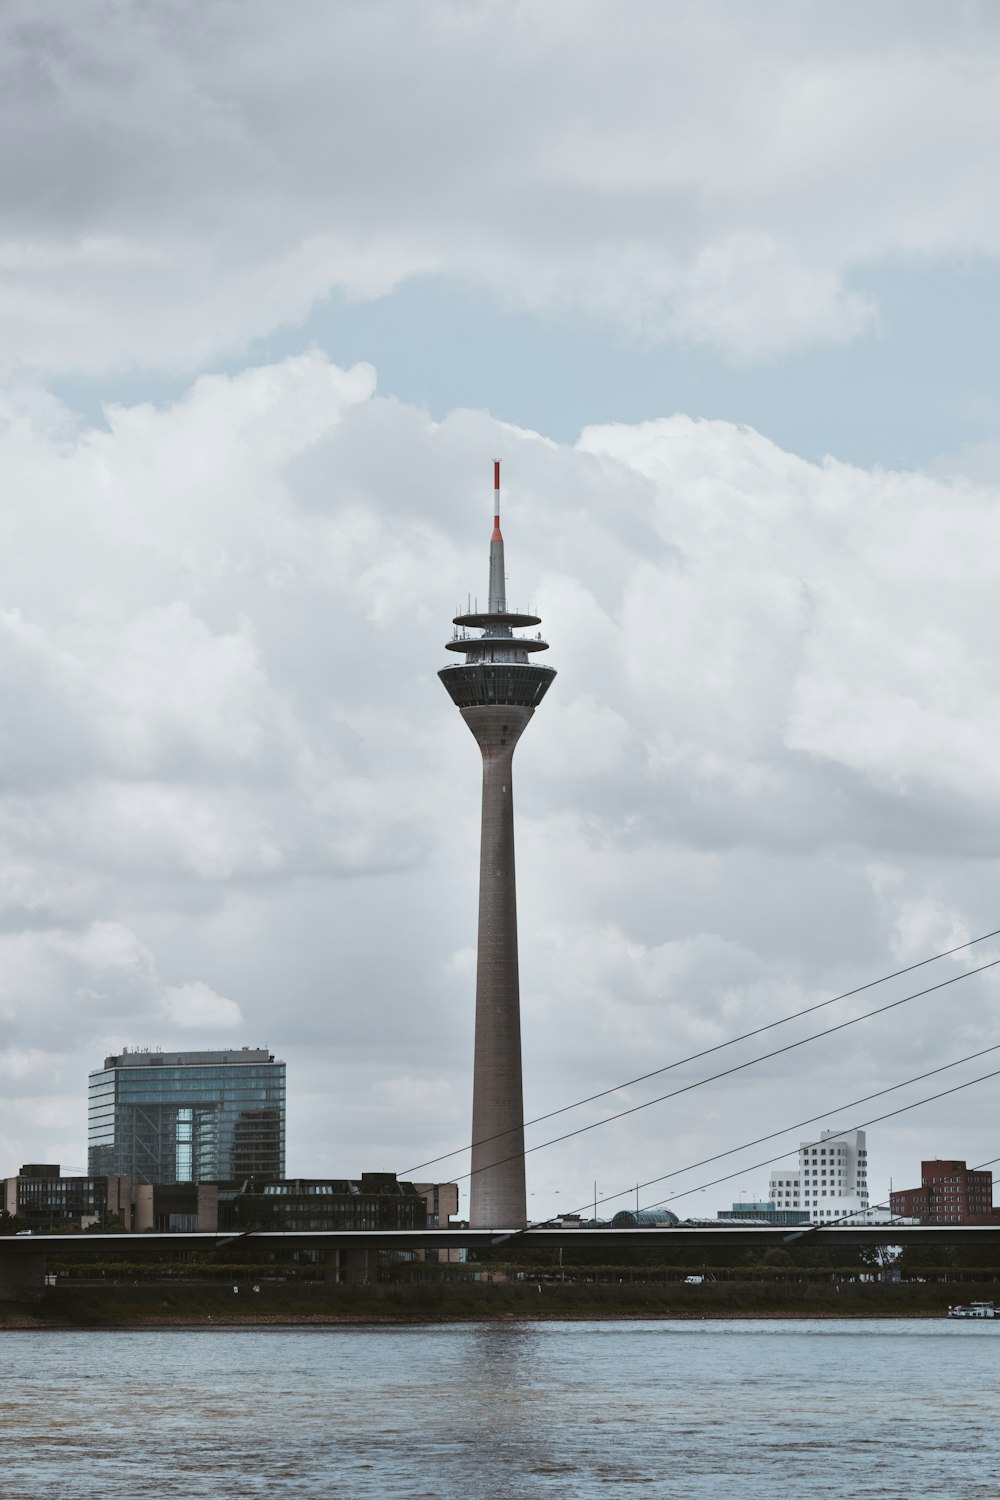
[
  {"x": 161, "y": 1117},
  {"x": 949, "y": 1193},
  {"x": 831, "y": 1181},
  {"x": 497, "y": 690}
]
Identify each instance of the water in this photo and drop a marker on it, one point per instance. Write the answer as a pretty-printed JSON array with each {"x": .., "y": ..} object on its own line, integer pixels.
[{"x": 504, "y": 1411}]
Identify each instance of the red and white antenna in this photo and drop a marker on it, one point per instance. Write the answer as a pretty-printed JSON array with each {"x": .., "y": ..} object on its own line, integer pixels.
[
  {"x": 498, "y": 586},
  {"x": 496, "y": 537}
]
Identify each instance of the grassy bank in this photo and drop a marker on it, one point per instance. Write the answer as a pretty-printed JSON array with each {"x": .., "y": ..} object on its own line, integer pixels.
[{"x": 206, "y": 1304}]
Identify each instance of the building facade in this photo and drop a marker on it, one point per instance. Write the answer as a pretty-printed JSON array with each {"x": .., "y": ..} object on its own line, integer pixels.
[
  {"x": 762, "y": 1213},
  {"x": 949, "y": 1193},
  {"x": 164, "y": 1117},
  {"x": 831, "y": 1181},
  {"x": 441, "y": 1199},
  {"x": 45, "y": 1202},
  {"x": 176, "y": 1207},
  {"x": 375, "y": 1201},
  {"x": 497, "y": 690}
]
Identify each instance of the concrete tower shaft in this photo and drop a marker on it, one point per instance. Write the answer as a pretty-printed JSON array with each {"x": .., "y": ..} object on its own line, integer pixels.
[
  {"x": 497, "y": 1191},
  {"x": 497, "y": 690}
]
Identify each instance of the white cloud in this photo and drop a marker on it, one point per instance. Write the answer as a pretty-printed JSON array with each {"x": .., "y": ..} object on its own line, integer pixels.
[
  {"x": 766, "y": 770},
  {"x": 211, "y": 173},
  {"x": 234, "y": 798},
  {"x": 751, "y": 297},
  {"x": 59, "y": 984},
  {"x": 197, "y": 1005}
]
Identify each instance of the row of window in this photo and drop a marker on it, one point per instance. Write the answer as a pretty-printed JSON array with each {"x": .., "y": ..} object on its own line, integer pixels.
[
  {"x": 818, "y": 1174},
  {"x": 228, "y": 1077},
  {"x": 299, "y": 1189},
  {"x": 831, "y": 1150},
  {"x": 192, "y": 1090},
  {"x": 514, "y": 685}
]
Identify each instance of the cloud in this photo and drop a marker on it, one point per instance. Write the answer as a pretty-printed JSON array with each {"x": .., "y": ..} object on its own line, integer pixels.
[
  {"x": 232, "y": 794},
  {"x": 234, "y": 799},
  {"x": 751, "y": 297},
  {"x": 197, "y": 1005},
  {"x": 186, "y": 181},
  {"x": 61, "y": 983}
]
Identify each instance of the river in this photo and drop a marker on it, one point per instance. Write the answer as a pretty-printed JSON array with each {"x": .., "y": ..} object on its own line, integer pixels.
[{"x": 514, "y": 1411}]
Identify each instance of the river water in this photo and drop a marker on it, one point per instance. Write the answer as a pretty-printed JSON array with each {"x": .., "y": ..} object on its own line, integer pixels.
[{"x": 517, "y": 1411}]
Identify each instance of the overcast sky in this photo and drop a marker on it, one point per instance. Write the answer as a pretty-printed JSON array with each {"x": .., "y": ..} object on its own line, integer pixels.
[{"x": 719, "y": 284}]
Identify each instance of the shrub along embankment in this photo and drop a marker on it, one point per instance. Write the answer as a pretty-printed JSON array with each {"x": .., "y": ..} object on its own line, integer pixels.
[{"x": 209, "y": 1304}]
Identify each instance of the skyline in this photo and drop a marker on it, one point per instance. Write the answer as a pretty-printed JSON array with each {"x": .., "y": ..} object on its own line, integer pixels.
[{"x": 718, "y": 288}]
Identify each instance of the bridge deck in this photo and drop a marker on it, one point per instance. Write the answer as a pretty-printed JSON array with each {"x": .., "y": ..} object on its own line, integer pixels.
[{"x": 680, "y": 1237}]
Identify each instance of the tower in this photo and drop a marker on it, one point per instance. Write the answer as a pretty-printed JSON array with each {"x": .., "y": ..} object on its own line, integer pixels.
[{"x": 497, "y": 690}]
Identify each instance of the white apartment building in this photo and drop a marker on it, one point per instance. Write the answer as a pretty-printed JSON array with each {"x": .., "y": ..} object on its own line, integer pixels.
[{"x": 831, "y": 1181}]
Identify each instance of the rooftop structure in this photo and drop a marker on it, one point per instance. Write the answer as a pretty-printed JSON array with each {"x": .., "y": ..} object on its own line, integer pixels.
[
  {"x": 162, "y": 1117},
  {"x": 497, "y": 690},
  {"x": 644, "y": 1218}
]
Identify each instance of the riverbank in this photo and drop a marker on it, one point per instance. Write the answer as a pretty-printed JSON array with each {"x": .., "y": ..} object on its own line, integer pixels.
[{"x": 188, "y": 1305}]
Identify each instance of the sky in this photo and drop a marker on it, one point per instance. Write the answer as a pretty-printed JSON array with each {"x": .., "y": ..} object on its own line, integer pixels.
[{"x": 719, "y": 287}]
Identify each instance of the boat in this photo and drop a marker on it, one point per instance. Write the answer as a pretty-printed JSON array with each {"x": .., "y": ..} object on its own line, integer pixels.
[{"x": 973, "y": 1310}]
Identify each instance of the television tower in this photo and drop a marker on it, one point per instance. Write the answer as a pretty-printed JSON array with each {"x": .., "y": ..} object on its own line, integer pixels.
[{"x": 497, "y": 690}]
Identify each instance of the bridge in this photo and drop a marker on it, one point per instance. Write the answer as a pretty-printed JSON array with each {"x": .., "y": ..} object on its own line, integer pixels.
[{"x": 352, "y": 1254}]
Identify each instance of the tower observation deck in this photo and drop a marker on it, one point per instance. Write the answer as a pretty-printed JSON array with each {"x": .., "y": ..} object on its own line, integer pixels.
[{"x": 497, "y": 689}]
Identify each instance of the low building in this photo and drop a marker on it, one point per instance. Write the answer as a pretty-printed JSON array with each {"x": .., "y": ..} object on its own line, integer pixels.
[
  {"x": 376, "y": 1201},
  {"x": 949, "y": 1193},
  {"x": 441, "y": 1199},
  {"x": 176, "y": 1208},
  {"x": 46, "y": 1202},
  {"x": 762, "y": 1213}
]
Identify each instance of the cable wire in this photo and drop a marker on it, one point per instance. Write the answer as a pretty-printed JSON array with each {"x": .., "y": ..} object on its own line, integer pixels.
[
  {"x": 877, "y": 1207},
  {"x": 801, "y": 1230},
  {"x": 739, "y": 1068},
  {"x": 875, "y": 1120},
  {"x": 707, "y": 1051},
  {"x": 785, "y": 1130}
]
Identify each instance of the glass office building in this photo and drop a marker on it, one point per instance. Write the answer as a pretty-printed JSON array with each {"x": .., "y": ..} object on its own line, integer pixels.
[{"x": 161, "y": 1117}]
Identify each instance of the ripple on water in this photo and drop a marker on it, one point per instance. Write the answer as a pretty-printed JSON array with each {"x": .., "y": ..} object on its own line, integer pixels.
[{"x": 511, "y": 1412}]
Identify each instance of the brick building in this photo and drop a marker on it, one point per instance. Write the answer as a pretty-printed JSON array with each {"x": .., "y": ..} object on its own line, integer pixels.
[{"x": 949, "y": 1193}]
